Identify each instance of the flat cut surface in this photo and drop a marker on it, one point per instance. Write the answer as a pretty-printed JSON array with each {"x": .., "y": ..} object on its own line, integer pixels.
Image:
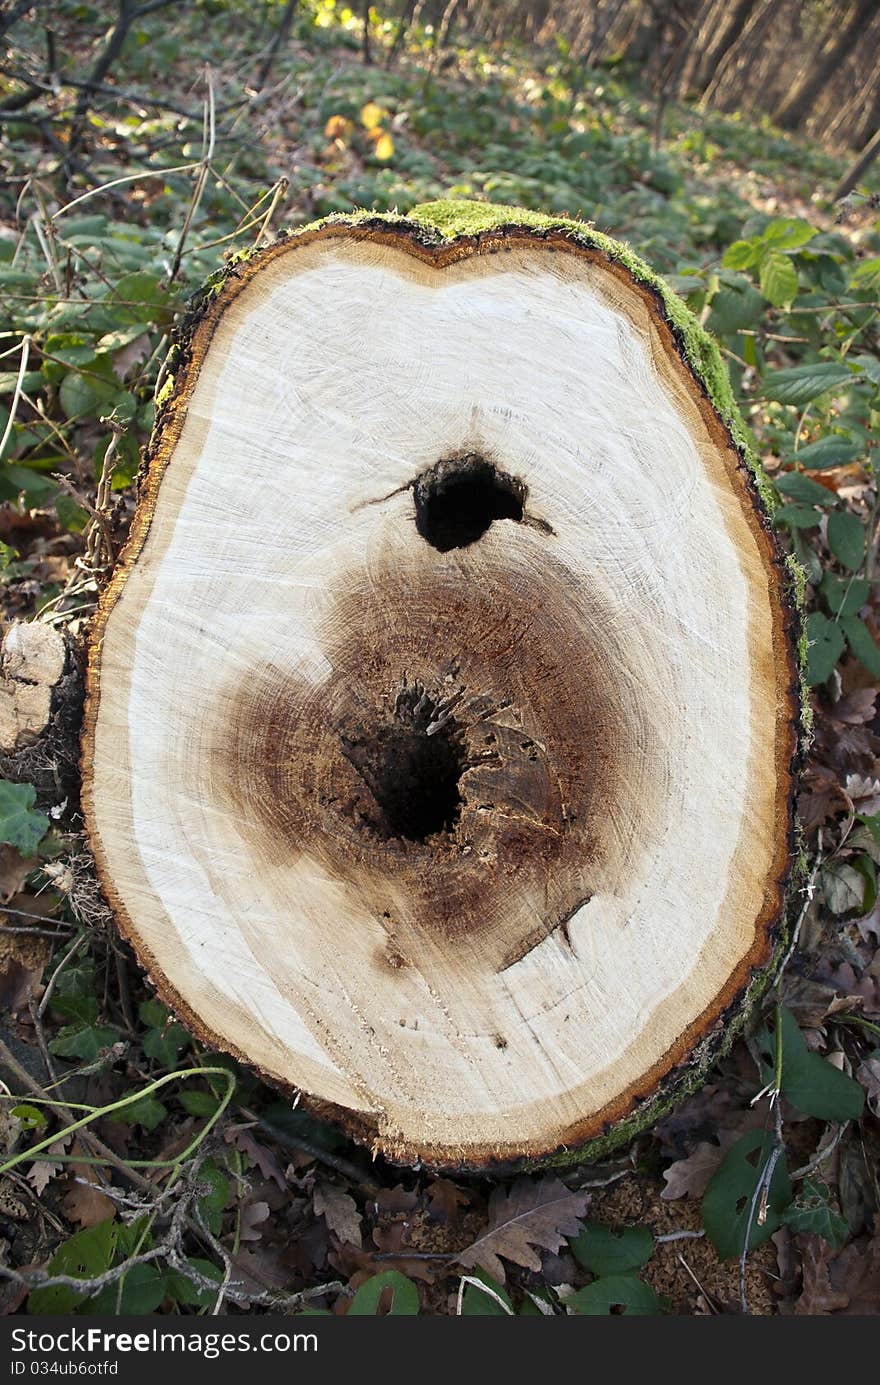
[{"x": 610, "y": 666}]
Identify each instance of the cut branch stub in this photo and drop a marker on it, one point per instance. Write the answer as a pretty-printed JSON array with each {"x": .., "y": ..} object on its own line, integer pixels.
[{"x": 443, "y": 709}]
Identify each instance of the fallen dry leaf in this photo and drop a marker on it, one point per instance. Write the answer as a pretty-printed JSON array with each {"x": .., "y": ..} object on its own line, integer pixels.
[
  {"x": 445, "y": 1200},
  {"x": 690, "y": 1177},
  {"x": 261, "y": 1157},
  {"x": 253, "y": 1214},
  {"x": 84, "y": 1203},
  {"x": 818, "y": 1296},
  {"x": 340, "y": 1212},
  {"x": 536, "y": 1213},
  {"x": 42, "y": 1171}
]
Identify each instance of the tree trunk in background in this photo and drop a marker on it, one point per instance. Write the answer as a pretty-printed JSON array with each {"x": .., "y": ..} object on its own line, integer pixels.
[
  {"x": 746, "y": 43},
  {"x": 730, "y": 27},
  {"x": 859, "y": 168},
  {"x": 796, "y": 108},
  {"x": 282, "y": 33}
]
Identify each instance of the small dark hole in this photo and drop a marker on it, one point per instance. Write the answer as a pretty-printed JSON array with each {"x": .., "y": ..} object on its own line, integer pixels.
[
  {"x": 412, "y": 776},
  {"x": 458, "y": 499}
]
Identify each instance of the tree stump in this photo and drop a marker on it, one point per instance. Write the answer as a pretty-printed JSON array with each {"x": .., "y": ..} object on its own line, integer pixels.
[{"x": 443, "y": 711}]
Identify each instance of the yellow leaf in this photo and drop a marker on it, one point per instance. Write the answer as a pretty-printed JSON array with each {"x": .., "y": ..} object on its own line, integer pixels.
[
  {"x": 337, "y": 127},
  {"x": 371, "y": 115},
  {"x": 384, "y": 147}
]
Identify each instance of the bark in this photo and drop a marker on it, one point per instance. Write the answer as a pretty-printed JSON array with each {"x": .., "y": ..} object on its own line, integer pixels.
[
  {"x": 858, "y": 168},
  {"x": 282, "y": 34},
  {"x": 728, "y": 35},
  {"x": 798, "y": 105}
]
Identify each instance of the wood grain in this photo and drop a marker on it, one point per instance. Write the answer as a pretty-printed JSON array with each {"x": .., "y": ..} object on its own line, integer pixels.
[{"x": 614, "y": 667}]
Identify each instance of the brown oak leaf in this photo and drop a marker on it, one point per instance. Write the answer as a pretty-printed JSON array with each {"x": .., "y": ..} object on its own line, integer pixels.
[
  {"x": 818, "y": 1297},
  {"x": 340, "y": 1212},
  {"x": 445, "y": 1199},
  {"x": 84, "y": 1203},
  {"x": 535, "y": 1213}
]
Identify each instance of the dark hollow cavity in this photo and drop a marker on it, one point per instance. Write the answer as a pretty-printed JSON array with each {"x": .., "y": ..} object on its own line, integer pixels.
[
  {"x": 411, "y": 765},
  {"x": 458, "y": 499}
]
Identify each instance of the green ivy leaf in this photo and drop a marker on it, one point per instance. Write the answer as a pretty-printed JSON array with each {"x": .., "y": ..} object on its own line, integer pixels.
[
  {"x": 623, "y": 1293},
  {"x": 826, "y": 644},
  {"x": 846, "y": 538},
  {"x": 403, "y": 1295},
  {"x": 20, "y": 825},
  {"x": 728, "y": 1199},
  {"x": 812, "y": 1213},
  {"x": 802, "y": 383},
  {"x": 605, "y": 1250},
  {"x": 84, "y": 1041}
]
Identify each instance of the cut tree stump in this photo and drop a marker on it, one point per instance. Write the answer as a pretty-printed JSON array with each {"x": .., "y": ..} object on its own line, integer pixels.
[{"x": 445, "y": 707}]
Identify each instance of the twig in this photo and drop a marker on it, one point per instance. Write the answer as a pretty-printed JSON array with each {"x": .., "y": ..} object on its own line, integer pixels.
[
  {"x": 333, "y": 1161},
  {"x": 22, "y": 370}
]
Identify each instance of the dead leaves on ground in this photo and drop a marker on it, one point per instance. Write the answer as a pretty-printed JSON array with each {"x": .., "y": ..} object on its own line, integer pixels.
[{"x": 532, "y": 1215}]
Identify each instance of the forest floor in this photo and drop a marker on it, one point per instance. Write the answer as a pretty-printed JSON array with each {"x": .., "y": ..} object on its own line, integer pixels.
[{"x": 208, "y": 1185}]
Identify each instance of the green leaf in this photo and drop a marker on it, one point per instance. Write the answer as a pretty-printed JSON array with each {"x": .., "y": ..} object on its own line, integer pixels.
[
  {"x": 84, "y": 1041},
  {"x": 742, "y": 254},
  {"x": 728, "y": 1198},
  {"x": 862, "y": 644},
  {"x": 30, "y": 1117},
  {"x": 477, "y": 1304},
  {"x": 797, "y": 517},
  {"x": 608, "y": 1250},
  {"x": 801, "y": 383},
  {"x": 86, "y": 396},
  {"x": 141, "y": 1291},
  {"x": 402, "y": 1294},
  {"x": 199, "y": 1103},
  {"x": 788, "y": 233},
  {"x": 184, "y": 1290},
  {"x": 148, "y": 1112},
  {"x": 214, "y": 1202},
  {"x": 623, "y": 1293},
  {"x": 20, "y": 825},
  {"x": 812, "y": 1213},
  {"x": 846, "y": 538},
  {"x": 778, "y": 279},
  {"x": 845, "y": 595},
  {"x": 165, "y": 1038},
  {"x": 84, "y": 1256},
  {"x": 830, "y": 451},
  {"x": 811, "y": 1083},
  {"x": 801, "y": 488},
  {"x": 826, "y": 644}
]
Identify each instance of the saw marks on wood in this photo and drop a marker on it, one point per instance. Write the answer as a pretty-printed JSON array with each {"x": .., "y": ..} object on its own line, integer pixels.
[{"x": 440, "y": 726}]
